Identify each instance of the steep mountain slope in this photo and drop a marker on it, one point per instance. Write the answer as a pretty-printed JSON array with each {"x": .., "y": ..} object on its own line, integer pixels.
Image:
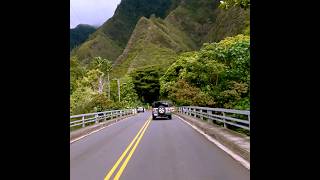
[
  {"x": 194, "y": 17},
  {"x": 111, "y": 38},
  {"x": 98, "y": 44},
  {"x": 156, "y": 42},
  {"x": 203, "y": 21},
  {"x": 146, "y": 33},
  {"x": 79, "y": 34},
  {"x": 228, "y": 23}
]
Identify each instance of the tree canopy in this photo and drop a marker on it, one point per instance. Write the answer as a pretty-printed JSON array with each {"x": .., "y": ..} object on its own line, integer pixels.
[
  {"x": 226, "y": 4},
  {"x": 218, "y": 75},
  {"x": 146, "y": 83},
  {"x": 87, "y": 92}
]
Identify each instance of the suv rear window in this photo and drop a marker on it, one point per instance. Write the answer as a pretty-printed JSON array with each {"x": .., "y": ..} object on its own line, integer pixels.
[{"x": 157, "y": 104}]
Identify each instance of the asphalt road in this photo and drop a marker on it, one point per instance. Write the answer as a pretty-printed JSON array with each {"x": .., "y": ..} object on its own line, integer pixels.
[{"x": 164, "y": 150}]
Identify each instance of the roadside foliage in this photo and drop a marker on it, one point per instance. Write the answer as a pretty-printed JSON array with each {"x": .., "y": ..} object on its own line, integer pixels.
[
  {"x": 218, "y": 75},
  {"x": 194, "y": 52},
  {"x": 89, "y": 88}
]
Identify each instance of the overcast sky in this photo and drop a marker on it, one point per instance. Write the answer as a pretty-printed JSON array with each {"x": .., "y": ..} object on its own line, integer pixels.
[{"x": 93, "y": 12}]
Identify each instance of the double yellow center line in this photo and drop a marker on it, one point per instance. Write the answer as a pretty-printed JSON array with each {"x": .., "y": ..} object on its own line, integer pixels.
[{"x": 133, "y": 143}]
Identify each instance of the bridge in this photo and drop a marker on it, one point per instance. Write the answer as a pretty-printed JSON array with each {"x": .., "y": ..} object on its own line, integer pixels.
[{"x": 199, "y": 143}]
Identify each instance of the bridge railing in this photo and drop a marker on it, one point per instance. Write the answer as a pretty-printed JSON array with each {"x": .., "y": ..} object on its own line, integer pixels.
[
  {"x": 228, "y": 117},
  {"x": 94, "y": 118}
]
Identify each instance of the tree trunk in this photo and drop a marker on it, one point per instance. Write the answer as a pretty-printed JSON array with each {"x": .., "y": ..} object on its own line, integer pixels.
[
  {"x": 217, "y": 80},
  {"x": 100, "y": 90}
]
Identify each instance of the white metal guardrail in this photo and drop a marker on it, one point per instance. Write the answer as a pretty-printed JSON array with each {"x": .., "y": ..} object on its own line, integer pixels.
[
  {"x": 219, "y": 114},
  {"x": 84, "y": 119}
]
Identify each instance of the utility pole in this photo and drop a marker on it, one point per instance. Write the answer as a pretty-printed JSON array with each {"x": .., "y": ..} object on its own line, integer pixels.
[
  {"x": 101, "y": 83},
  {"x": 118, "y": 80},
  {"x": 108, "y": 87}
]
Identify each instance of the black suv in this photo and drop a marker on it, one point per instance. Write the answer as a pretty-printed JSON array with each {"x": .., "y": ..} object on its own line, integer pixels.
[{"x": 161, "y": 109}]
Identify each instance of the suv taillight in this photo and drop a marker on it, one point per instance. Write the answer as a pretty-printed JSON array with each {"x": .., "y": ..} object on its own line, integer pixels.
[
  {"x": 168, "y": 109},
  {"x": 154, "y": 110}
]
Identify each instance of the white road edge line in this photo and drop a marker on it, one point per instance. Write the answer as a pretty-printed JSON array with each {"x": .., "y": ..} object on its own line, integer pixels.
[
  {"x": 81, "y": 137},
  {"x": 238, "y": 158}
]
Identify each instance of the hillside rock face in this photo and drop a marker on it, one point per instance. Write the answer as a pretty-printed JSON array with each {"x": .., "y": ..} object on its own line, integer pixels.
[{"x": 153, "y": 34}]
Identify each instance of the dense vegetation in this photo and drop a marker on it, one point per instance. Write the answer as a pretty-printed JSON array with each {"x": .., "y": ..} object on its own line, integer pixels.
[
  {"x": 146, "y": 83},
  {"x": 157, "y": 41},
  {"x": 177, "y": 26},
  {"x": 218, "y": 75},
  {"x": 79, "y": 34},
  {"x": 190, "y": 52},
  {"x": 226, "y": 4},
  {"x": 89, "y": 88}
]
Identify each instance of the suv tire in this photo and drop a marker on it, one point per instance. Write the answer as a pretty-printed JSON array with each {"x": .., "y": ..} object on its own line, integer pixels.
[{"x": 161, "y": 110}]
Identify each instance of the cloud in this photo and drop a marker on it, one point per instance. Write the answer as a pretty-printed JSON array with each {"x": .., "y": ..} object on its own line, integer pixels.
[{"x": 93, "y": 12}]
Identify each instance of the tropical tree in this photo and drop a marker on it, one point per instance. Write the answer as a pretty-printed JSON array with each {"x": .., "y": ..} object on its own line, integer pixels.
[
  {"x": 76, "y": 72},
  {"x": 226, "y": 4},
  {"x": 217, "y": 75},
  {"x": 129, "y": 96},
  {"x": 105, "y": 66},
  {"x": 146, "y": 83}
]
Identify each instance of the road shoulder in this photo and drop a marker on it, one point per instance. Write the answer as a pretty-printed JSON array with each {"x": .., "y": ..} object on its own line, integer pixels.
[
  {"x": 234, "y": 144},
  {"x": 83, "y": 132}
]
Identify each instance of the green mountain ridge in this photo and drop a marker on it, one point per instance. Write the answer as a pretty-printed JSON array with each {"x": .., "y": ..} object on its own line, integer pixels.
[
  {"x": 112, "y": 37},
  {"x": 228, "y": 23},
  {"x": 97, "y": 44},
  {"x": 79, "y": 34},
  {"x": 136, "y": 40},
  {"x": 154, "y": 42}
]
